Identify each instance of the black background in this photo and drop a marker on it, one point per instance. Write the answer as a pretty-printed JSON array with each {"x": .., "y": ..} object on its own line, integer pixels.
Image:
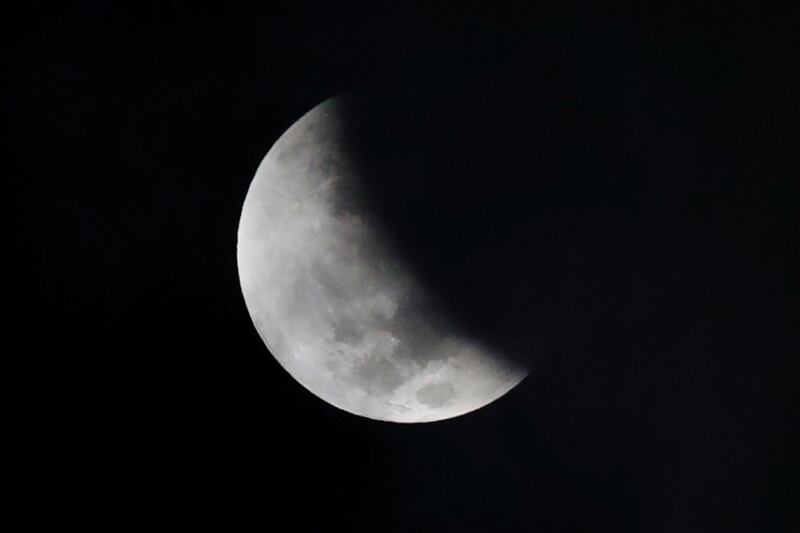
[{"x": 631, "y": 215}]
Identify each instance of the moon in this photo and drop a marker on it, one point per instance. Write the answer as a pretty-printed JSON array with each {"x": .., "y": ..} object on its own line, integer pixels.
[{"x": 335, "y": 302}]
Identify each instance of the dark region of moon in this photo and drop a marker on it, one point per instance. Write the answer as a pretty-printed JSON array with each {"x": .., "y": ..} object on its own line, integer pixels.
[{"x": 503, "y": 197}]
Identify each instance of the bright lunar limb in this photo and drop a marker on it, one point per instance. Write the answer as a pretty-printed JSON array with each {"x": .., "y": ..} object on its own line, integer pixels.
[{"x": 336, "y": 305}]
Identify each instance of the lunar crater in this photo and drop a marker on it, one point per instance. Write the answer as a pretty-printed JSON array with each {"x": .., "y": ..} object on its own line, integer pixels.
[{"x": 436, "y": 394}]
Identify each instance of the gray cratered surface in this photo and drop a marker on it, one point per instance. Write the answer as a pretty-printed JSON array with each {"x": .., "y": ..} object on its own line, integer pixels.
[{"x": 336, "y": 305}]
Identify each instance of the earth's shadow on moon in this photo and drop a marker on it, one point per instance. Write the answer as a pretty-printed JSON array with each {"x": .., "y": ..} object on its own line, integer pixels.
[{"x": 516, "y": 199}]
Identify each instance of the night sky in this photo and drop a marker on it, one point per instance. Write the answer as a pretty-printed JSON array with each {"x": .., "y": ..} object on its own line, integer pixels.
[{"x": 609, "y": 193}]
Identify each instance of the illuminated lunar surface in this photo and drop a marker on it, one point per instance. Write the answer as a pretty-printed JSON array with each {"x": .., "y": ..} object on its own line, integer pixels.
[{"x": 337, "y": 305}]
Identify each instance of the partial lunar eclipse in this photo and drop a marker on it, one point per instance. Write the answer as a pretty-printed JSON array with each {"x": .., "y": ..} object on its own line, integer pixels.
[{"x": 337, "y": 305}]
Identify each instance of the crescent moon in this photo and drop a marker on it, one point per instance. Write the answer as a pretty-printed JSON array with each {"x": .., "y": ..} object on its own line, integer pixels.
[{"x": 337, "y": 305}]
